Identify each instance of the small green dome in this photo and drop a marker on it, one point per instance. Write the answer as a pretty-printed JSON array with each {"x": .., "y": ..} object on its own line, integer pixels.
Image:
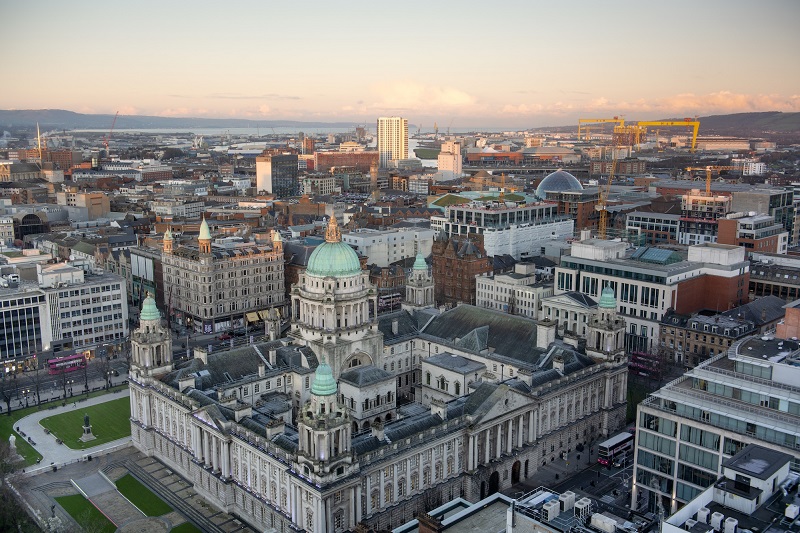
[
  {"x": 419, "y": 263},
  {"x": 607, "y": 300},
  {"x": 324, "y": 384},
  {"x": 149, "y": 310},
  {"x": 333, "y": 259}
]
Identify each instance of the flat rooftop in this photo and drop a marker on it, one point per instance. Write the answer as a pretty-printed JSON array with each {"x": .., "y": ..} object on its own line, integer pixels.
[
  {"x": 767, "y": 348},
  {"x": 757, "y": 461}
]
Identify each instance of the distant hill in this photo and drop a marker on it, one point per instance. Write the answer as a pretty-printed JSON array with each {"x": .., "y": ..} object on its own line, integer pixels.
[{"x": 61, "y": 119}]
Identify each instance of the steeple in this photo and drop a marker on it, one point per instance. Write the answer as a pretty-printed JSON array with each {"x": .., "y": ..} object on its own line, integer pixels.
[
  {"x": 204, "y": 239},
  {"x": 332, "y": 232},
  {"x": 168, "y": 241}
]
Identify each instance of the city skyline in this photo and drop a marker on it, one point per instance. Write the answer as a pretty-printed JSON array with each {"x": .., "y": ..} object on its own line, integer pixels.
[{"x": 526, "y": 65}]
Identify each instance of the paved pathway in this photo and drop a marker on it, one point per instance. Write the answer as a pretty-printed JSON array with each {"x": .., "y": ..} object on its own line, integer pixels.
[{"x": 54, "y": 454}]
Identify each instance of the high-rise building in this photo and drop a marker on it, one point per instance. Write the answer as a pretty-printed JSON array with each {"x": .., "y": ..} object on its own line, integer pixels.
[
  {"x": 277, "y": 174},
  {"x": 392, "y": 139}
]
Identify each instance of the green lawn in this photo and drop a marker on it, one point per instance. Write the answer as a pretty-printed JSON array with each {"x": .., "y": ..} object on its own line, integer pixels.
[
  {"x": 186, "y": 527},
  {"x": 110, "y": 421},
  {"x": 86, "y": 514},
  {"x": 142, "y": 497}
]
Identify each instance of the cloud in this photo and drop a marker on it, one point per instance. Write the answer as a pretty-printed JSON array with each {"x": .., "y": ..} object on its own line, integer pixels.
[
  {"x": 684, "y": 104},
  {"x": 419, "y": 98},
  {"x": 269, "y": 96}
]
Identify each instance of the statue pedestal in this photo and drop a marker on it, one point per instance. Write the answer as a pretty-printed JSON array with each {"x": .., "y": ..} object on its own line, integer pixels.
[{"x": 87, "y": 434}]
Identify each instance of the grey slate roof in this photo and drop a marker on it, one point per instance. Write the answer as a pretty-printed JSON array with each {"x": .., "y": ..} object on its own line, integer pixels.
[
  {"x": 581, "y": 299},
  {"x": 508, "y": 335},
  {"x": 761, "y": 311},
  {"x": 455, "y": 363},
  {"x": 406, "y": 325},
  {"x": 363, "y": 376}
]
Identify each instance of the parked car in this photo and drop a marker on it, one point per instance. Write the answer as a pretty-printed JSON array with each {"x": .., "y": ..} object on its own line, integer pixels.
[{"x": 223, "y": 336}]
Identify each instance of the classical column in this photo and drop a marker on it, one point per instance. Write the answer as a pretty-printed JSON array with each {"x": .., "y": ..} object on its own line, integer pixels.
[
  {"x": 471, "y": 457},
  {"x": 214, "y": 450},
  {"x": 510, "y": 436},
  {"x": 369, "y": 495},
  {"x": 486, "y": 448},
  {"x": 531, "y": 434},
  {"x": 357, "y": 517},
  {"x": 520, "y": 429},
  {"x": 499, "y": 443},
  {"x": 383, "y": 495}
]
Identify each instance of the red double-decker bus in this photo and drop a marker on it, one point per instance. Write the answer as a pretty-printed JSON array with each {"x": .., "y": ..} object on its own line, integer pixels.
[{"x": 70, "y": 363}]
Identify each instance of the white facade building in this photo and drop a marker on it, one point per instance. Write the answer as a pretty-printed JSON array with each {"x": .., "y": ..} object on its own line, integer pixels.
[
  {"x": 519, "y": 230},
  {"x": 749, "y": 167},
  {"x": 85, "y": 310},
  {"x": 392, "y": 140},
  {"x": 450, "y": 160},
  {"x": 177, "y": 208},
  {"x": 383, "y": 247},
  {"x": 516, "y": 293}
]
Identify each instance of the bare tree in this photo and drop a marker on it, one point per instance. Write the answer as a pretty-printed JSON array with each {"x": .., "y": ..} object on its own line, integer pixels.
[
  {"x": 6, "y": 389},
  {"x": 37, "y": 378},
  {"x": 104, "y": 364}
]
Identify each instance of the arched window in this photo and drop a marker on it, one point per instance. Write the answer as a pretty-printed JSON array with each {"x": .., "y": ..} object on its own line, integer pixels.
[
  {"x": 427, "y": 378},
  {"x": 458, "y": 388}
]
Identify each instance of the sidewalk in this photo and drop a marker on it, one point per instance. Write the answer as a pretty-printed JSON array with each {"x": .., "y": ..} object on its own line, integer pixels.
[{"x": 54, "y": 454}]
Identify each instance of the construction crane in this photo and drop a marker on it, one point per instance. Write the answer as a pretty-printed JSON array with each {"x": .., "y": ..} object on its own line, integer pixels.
[
  {"x": 710, "y": 170},
  {"x": 108, "y": 137},
  {"x": 687, "y": 122},
  {"x": 581, "y": 121},
  {"x": 602, "y": 201}
]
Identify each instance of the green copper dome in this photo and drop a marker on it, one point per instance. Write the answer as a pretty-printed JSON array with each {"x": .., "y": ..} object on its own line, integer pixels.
[
  {"x": 419, "y": 263},
  {"x": 607, "y": 300},
  {"x": 333, "y": 257},
  {"x": 324, "y": 384},
  {"x": 149, "y": 310}
]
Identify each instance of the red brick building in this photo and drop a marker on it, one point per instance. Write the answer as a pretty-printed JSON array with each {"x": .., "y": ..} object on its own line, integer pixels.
[
  {"x": 361, "y": 161},
  {"x": 456, "y": 263}
]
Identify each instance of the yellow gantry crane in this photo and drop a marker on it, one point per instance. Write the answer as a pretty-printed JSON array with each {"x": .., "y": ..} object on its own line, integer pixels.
[
  {"x": 687, "y": 122},
  {"x": 582, "y": 121},
  {"x": 602, "y": 201},
  {"x": 710, "y": 170}
]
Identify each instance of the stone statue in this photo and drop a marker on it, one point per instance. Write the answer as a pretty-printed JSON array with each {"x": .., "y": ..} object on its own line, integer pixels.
[
  {"x": 12, "y": 443},
  {"x": 86, "y": 420}
]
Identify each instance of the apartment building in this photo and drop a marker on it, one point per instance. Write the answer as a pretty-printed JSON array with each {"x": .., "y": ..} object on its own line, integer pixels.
[
  {"x": 754, "y": 232},
  {"x": 697, "y": 337},
  {"x": 392, "y": 140}
]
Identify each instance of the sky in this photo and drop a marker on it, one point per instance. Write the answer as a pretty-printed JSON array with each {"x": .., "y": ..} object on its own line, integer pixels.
[{"x": 517, "y": 63}]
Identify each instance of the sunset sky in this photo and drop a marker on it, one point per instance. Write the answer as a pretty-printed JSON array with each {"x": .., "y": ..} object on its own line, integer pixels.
[{"x": 509, "y": 64}]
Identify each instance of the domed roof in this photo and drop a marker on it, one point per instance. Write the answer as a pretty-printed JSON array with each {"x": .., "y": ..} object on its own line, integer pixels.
[
  {"x": 149, "y": 310},
  {"x": 333, "y": 257},
  {"x": 324, "y": 384},
  {"x": 560, "y": 180},
  {"x": 419, "y": 263},
  {"x": 607, "y": 300}
]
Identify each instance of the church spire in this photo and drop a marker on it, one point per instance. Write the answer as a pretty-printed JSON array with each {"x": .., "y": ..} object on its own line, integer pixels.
[
  {"x": 204, "y": 239},
  {"x": 332, "y": 232}
]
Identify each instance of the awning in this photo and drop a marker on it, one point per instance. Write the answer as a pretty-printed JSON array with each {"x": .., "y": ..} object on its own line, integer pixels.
[
  {"x": 252, "y": 317},
  {"x": 263, "y": 314}
]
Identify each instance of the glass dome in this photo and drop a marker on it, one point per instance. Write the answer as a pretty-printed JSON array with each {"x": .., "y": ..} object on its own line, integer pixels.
[{"x": 558, "y": 181}]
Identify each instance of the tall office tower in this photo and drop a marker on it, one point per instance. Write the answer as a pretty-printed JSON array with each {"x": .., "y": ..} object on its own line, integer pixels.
[{"x": 392, "y": 139}]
